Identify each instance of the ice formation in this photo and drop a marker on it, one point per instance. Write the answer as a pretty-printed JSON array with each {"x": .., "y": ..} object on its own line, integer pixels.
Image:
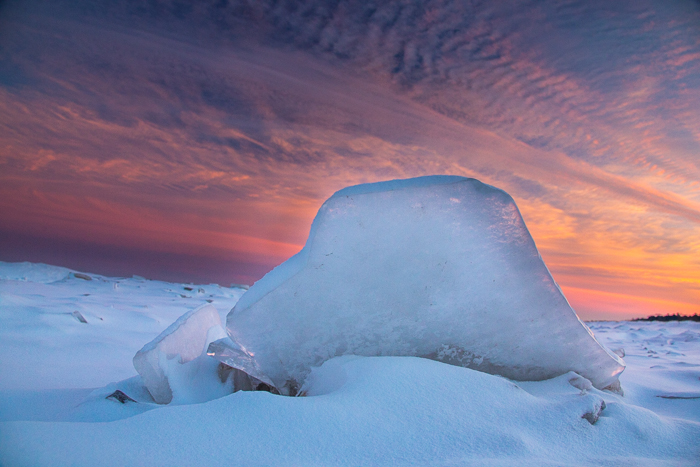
[
  {"x": 182, "y": 342},
  {"x": 441, "y": 267}
]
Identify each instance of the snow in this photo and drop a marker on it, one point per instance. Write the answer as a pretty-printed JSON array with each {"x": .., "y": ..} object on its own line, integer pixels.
[
  {"x": 447, "y": 270},
  {"x": 37, "y": 302},
  {"x": 356, "y": 410}
]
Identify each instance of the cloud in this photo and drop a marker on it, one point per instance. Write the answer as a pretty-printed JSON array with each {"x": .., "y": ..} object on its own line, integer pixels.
[{"x": 221, "y": 129}]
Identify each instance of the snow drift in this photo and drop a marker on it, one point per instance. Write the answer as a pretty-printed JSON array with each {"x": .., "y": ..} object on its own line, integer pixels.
[{"x": 440, "y": 267}]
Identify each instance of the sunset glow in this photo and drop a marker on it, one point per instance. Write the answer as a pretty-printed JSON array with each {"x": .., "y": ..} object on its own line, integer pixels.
[{"x": 162, "y": 151}]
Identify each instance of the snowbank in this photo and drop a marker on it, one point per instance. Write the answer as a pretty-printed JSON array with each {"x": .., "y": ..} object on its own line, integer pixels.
[{"x": 372, "y": 411}]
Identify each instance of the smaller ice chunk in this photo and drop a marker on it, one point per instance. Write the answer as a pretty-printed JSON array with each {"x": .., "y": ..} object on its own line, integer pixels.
[
  {"x": 593, "y": 414},
  {"x": 196, "y": 381},
  {"x": 237, "y": 357},
  {"x": 119, "y": 396},
  {"x": 620, "y": 352},
  {"x": 186, "y": 339},
  {"x": 79, "y": 316},
  {"x": 80, "y": 275},
  {"x": 581, "y": 383}
]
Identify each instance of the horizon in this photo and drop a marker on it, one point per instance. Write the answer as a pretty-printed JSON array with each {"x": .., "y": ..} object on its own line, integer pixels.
[{"x": 195, "y": 143}]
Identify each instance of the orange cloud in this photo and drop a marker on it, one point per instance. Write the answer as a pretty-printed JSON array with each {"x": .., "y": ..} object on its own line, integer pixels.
[{"x": 185, "y": 149}]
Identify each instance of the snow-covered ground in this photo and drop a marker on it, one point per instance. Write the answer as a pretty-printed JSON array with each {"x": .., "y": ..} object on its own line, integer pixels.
[{"x": 56, "y": 372}]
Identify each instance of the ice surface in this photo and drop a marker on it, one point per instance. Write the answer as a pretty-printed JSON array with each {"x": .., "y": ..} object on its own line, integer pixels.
[
  {"x": 182, "y": 342},
  {"x": 233, "y": 355},
  {"x": 440, "y": 267}
]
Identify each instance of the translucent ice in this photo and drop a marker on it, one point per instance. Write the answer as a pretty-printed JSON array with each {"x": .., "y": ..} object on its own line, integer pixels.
[
  {"x": 185, "y": 340},
  {"x": 440, "y": 267}
]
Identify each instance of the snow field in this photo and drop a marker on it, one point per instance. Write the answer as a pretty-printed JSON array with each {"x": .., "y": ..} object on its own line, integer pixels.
[
  {"x": 357, "y": 410},
  {"x": 389, "y": 411},
  {"x": 44, "y": 346}
]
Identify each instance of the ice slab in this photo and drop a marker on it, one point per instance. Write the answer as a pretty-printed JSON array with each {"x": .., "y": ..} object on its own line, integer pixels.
[
  {"x": 234, "y": 356},
  {"x": 185, "y": 340},
  {"x": 440, "y": 267}
]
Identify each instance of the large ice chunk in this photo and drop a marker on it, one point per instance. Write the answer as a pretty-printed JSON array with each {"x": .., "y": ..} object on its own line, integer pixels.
[
  {"x": 440, "y": 267},
  {"x": 182, "y": 342}
]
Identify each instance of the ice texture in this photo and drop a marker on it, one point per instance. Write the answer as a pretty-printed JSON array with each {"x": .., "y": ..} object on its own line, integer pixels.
[
  {"x": 441, "y": 267},
  {"x": 185, "y": 340},
  {"x": 234, "y": 356}
]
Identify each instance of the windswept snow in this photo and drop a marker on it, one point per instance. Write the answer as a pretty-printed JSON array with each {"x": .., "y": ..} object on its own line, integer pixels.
[
  {"x": 441, "y": 267},
  {"x": 384, "y": 411},
  {"x": 42, "y": 342},
  {"x": 357, "y": 410},
  {"x": 663, "y": 364}
]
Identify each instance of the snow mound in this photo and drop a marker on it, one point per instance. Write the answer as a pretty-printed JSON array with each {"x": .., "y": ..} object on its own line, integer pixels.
[
  {"x": 32, "y": 272},
  {"x": 440, "y": 267},
  {"x": 373, "y": 411}
]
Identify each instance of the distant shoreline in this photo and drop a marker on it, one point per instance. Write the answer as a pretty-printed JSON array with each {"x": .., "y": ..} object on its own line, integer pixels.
[{"x": 674, "y": 317}]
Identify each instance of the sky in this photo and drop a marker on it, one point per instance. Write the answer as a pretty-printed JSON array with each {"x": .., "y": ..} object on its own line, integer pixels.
[{"x": 195, "y": 141}]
